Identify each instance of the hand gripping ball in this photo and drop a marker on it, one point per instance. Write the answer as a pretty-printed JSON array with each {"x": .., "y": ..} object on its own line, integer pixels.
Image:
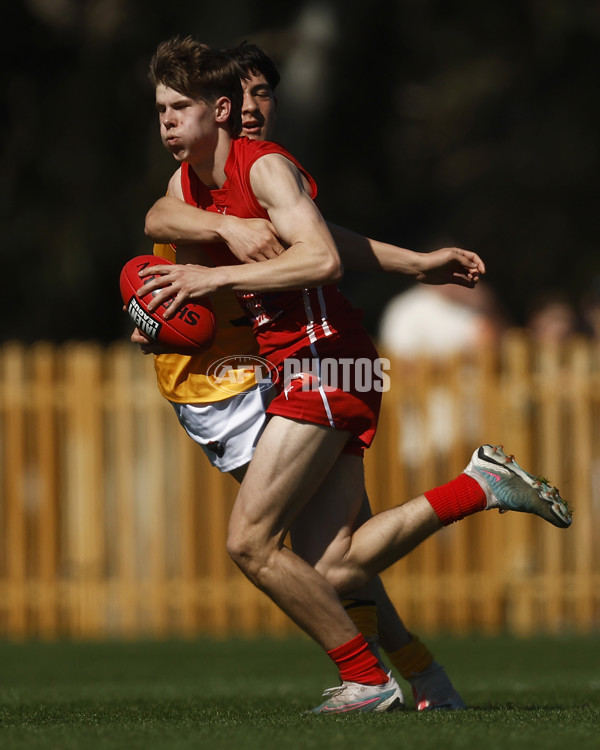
[{"x": 191, "y": 330}]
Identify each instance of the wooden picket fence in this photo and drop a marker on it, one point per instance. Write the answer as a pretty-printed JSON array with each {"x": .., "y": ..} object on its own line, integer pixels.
[{"x": 113, "y": 524}]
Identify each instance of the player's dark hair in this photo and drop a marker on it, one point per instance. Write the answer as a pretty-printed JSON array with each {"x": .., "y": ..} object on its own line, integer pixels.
[
  {"x": 200, "y": 72},
  {"x": 254, "y": 61}
]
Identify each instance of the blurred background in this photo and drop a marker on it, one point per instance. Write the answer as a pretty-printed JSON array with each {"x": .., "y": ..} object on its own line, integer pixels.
[{"x": 425, "y": 123}]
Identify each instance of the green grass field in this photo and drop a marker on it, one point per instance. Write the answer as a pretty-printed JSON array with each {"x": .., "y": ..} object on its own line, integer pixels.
[{"x": 251, "y": 695}]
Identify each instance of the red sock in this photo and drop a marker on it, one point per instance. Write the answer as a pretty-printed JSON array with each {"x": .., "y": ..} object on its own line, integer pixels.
[
  {"x": 459, "y": 498},
  {"x": 357, "y": 663}
]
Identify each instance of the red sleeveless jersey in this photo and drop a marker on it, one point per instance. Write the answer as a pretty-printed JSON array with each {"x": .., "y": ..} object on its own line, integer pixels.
[
  {"x": 282, "y": 321},
  {"x": 316, "y": 330}
]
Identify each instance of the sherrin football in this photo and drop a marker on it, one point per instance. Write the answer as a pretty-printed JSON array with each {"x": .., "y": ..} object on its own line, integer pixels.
[{"x": 189, "y": 331}]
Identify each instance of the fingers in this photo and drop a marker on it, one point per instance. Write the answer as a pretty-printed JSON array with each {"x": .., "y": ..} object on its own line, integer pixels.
[
  {"x": 155, "y": 278},
  {"x": 461, "y": 281},
  {"x": 465, "y": 281},
  {"x": 137, "y": 337},
  {"x": 155, "y": 271},
  {"x": 269, "y": 250},
  {"x": 170, "y": 299},
  {"x": 172, "y": 286},
  {"x": 146, "y": 345},
  {"x": 159, "y": 283},
  {"x": 267, "y": 254},
  {"x": 273, "y": 252},
  {"x": 273, "y": 246},
  {"x": 470, "y": 259}
]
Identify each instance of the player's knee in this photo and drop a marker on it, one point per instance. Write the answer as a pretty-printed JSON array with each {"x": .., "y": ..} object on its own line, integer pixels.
[
  {"x": 239, "y": 549},
  {"x": 248, "y": 552}
]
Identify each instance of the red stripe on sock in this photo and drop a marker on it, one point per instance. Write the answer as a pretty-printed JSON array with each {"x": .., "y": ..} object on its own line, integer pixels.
[
  {"x": 461, "y": 497},
  {"x": 357, "y": 663}
]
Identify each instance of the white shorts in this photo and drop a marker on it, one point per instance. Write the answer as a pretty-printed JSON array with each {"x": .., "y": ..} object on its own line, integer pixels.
[{"x": 227, "y": 431}]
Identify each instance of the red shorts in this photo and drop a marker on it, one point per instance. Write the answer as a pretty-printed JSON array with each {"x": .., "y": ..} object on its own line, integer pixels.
[{"x": 323, "y": 384}]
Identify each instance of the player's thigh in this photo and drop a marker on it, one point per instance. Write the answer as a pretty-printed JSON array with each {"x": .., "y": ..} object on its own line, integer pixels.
[
  {"x": 324, "y": 527},
  {"x": 290, "y": 462}
]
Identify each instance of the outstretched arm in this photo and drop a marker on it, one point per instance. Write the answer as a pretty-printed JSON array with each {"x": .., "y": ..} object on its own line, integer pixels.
[
  {"x": 448, "y": 265},
  {"x": 252, "y": 240},
  {"x": 172, "y": 220}
]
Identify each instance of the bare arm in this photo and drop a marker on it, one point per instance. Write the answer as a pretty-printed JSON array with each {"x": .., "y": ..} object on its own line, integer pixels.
[
  {"x": 251, "y": 240},
  {"x": 448, "y": 265},
  {"x": 171, "y": 219},
  {"x": 311, "y": 258}
]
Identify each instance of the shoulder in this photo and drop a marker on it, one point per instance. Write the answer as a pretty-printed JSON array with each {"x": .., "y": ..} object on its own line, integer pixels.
[
  {"x": 248, "y": 151},
  {"x": 273, "y": 166},
  {"x": 269, "y": 159},
  {"x": 175, "y": 185}
]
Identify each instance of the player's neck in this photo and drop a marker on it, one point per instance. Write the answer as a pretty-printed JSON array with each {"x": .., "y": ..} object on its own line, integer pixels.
[{"x": 211, "y": 169}]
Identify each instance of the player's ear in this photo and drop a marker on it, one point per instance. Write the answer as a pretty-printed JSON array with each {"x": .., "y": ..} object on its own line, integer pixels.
[{"x": 222, "y": 109}]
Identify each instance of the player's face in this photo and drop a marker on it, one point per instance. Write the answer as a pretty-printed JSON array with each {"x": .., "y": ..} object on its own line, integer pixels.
[
  {"x": 187, "y": 126},
  {"x": 258, "y": 108}
]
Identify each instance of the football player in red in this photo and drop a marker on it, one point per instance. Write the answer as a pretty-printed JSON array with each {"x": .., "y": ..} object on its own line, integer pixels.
[
  {"x": 230, "y": 437},
  {"x": 317, "y": 429}
]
